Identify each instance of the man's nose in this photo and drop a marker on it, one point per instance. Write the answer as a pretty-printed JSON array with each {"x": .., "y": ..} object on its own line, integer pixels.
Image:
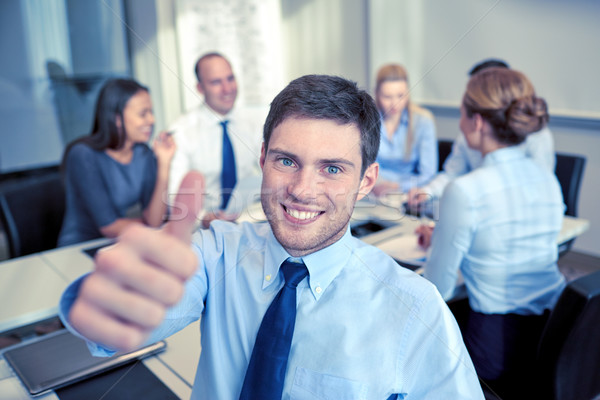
[
  {"x": 306, "y": 185},
  {"x": 229, "y": 87}
]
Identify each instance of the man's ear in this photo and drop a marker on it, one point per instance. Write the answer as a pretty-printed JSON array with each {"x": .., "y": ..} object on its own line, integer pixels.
[
  {"x": 368, "y": 180},
  {"x": 263, "y": 155},
  {"x": 199, "y": 88},
  {"x": 118, "y": 121}
]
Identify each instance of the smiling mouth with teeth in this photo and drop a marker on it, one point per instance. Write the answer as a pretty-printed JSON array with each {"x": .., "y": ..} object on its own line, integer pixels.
[{"x": 302, "y": 215}]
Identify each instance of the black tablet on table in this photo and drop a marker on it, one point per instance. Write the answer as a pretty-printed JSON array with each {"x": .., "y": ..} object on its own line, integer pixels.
[{"x": 59, "y": 359}]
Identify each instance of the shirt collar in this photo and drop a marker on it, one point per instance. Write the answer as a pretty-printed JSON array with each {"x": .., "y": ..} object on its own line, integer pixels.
[
  {"x": 323, "y": 266},
  {"x": 503, "y": 155},
  {"x": 403, "y": 121},
  {"x": 403, "y": 117},
  {"x": 215, "y": 116}
]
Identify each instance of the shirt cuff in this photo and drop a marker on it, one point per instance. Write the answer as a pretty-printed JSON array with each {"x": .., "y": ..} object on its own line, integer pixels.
[
  {"x": 64, "y": 307},
  {"x": 436, "y": 186}
]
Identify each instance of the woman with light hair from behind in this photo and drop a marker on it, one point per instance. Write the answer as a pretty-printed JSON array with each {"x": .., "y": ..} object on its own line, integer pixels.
[{"x": 498, "y": 225}]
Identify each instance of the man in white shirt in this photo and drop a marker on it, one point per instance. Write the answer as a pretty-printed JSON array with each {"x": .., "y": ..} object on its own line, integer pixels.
[{"x": 199, "y": 136}]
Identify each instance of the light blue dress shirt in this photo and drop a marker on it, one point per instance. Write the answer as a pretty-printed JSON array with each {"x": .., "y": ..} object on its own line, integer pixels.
[
  {"x": 365, "y": 327},
  {"x": 498, "y": 225},
  {"x": 423, "y": 162},
  {"x": 539, "y": 146}
]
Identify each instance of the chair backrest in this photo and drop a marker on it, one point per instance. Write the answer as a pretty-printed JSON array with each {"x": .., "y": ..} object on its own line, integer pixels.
[
  {"x": 569, "y": 351},
  {"x": 31, "y": 212},
  {"x": 444, "y": 149},
  {"x": 569, "y": 171}
]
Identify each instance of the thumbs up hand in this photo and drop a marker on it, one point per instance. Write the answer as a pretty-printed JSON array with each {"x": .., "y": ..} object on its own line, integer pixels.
[{"x": 136, "y": 280}]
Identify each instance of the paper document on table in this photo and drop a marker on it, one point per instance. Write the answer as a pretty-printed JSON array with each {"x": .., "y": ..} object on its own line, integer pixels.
[{"x": 404, "y": 248}]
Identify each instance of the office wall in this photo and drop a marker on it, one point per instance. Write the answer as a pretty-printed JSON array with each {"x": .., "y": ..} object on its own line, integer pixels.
[
  {"x": 152, "y": 51},
  {"x": 247, "y": 32},
  {"x": 555, "y": 42},
  {"x": 29, "y": 133},
  {"x": 54, "y": 61},
  {"x": 326, "y": 37},
  {"x": 85, "y": 20}
]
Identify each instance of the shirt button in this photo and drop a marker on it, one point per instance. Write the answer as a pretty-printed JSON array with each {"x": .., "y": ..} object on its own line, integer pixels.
[
  {"x": 318, "y": 289},
  {"x": 268, "y": 277}
]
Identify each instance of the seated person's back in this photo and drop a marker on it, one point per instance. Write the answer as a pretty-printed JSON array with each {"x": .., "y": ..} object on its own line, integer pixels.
[{"x": 498, "y": 225}]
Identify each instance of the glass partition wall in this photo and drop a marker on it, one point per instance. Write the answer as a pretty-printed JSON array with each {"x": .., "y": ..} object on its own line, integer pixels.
[{"x": 55, "y": 56}]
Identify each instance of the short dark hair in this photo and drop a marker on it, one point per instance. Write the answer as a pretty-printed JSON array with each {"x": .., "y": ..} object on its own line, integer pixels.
[
  {"x": 331, "y": 98},
  {"x": 204, "y": 57},
  {"x": 490, "y": 62}
]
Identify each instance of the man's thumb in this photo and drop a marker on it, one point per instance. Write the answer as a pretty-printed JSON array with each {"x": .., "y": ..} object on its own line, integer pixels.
[{"x": 187, "y": 205}]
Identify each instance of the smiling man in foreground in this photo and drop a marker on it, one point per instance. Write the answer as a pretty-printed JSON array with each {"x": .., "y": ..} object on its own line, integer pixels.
[{"x": 364, "y": 327}]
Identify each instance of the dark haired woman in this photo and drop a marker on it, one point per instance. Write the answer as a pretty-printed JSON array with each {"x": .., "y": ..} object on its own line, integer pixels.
[
  {"x": 498, "y": 225},
  {"x": 112, "y": 173}
]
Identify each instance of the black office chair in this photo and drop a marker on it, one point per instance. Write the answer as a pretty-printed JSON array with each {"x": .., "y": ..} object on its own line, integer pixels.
[
  {"x": 444, "y": 149},
  {"x": 569, "y": 171},
  {"x": 31, "y": 213},
  {"x": 569, "y": 350}
]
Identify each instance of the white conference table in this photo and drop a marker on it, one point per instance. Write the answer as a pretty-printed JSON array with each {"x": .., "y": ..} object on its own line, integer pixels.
[
  {"x": 398, "y": 238},
  {"x": 29, "y": 291},
  {"x": 183, "y": 349},
  {"x": 400, "y": 241},
  {"x": 31, "y": 286}
]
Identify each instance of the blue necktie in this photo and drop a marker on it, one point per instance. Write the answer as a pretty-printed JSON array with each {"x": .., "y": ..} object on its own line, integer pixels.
[
  {"x": 266, "y": 370},
  {"x": 228, "y": 178}
]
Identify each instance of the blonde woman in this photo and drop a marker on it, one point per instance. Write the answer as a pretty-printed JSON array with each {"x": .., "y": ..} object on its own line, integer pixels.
[
  {"x": 498, "y": 225},
  {"x": 408, "y": 154}
]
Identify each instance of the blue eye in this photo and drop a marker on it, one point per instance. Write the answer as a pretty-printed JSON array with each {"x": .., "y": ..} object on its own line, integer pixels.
[
  {"x": 332, "y": 169},
  {"x": 287, "y": 162}
]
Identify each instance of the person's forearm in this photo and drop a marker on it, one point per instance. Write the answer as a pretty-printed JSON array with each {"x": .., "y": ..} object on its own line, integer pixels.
[{"x": 436, "y": 186}]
